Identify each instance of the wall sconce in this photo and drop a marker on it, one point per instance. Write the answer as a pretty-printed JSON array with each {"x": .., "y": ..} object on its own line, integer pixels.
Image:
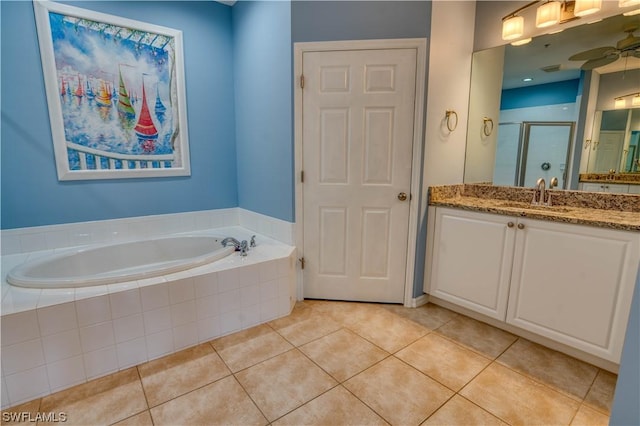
[
  {"x": 586, "y": 7},
  {"x": 619, "y": 103},
  {"x": 548, "y": 14},
  {"x": 635, "y": 101},
  {"x": 627, "y": 3}
]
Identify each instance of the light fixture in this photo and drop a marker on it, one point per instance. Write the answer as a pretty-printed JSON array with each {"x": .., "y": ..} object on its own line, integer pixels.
[
  {"x": 521, "y": 42},
  {"x": 627, "y": 3},
  {"x": 586, "y": 7},
  {"x": 527, "y": 79},
  {"x": 632, "y": 12},
  {"x": 548, "y": 14},
  {"x": 621, "y": 101},
  {"x": 512, "y": 27}
]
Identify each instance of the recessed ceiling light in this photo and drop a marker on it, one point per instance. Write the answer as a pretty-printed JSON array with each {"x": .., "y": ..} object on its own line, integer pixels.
[{"x": 527, "y": 79}]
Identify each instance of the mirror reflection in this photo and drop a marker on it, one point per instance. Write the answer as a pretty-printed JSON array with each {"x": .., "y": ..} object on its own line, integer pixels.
[{"x": 557, "y": 107}]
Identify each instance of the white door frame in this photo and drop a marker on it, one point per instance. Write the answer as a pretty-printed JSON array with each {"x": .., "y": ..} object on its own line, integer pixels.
[{"x": 420, "y": 44}]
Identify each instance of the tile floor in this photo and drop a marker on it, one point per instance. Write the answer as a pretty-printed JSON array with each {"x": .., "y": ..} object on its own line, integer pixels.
[{"x": 337, "y": 363}]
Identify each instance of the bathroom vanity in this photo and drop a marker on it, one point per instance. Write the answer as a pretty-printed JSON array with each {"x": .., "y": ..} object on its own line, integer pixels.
[{"x": 563, "y": 273}]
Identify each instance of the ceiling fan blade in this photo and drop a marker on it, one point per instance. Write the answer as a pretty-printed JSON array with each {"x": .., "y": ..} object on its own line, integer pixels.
[
  {"x": 596, "y": 53},
  {"x": 600, "y": 62}
]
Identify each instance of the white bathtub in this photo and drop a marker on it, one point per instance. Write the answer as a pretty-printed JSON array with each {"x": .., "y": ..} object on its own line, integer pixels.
[{"x": 108, "y": 264}]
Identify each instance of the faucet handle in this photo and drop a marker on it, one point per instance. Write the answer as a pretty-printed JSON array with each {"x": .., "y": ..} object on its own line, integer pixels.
[
  {"x": 244, "y": 248},
  {"x": 253, "y": 241}
]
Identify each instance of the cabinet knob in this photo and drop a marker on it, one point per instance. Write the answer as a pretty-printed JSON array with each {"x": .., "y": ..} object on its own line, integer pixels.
[
  {"x": 510, "y": 224},
  {"x": 521, "y": 226}
]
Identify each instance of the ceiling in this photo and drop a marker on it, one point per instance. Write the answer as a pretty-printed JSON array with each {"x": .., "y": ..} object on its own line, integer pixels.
[{"x": 553, "y": 50}]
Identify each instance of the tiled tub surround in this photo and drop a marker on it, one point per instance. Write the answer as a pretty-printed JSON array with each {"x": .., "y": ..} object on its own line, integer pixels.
[
  {"x": 56, "y": 338},
  {"x": 615, "y": 211}
]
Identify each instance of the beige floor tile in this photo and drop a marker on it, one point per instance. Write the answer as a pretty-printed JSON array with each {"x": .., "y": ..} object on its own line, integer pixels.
[
  {"x": 557, "y": 370},
  {"x": 345, "y": 313},
  {"x": 300, "y": 312},
  {"x": 12, "y": 415},
  {"x": 589, "y": 417},
  {"x": 220, "y": 403},
  {"x": 397, "y": 392},
  {"x": 517, "y": 399},
  {"x": 335, "y": 407},
  {"x": 480, "y": 337},
  {"x": 441, "y": 359},
  {"x": 389, "y": 331},
  {"x": 142, "y": 419},
  {"x": 343, "y": 354},
  {"x": 249, "y": 347},
  {"x": 430, "y": 316},
  {"x": 102, "y": 401},
  {"x": 600, "y": 396},
  {"x": 174, "y": 375},
  {"x": 284, "y": 383},
  {"x": 459, "y": 411},
  {"x": 315, "y": 326}
]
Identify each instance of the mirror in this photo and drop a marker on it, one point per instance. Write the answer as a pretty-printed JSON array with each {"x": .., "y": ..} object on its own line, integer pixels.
[
  {"x": 614, "y": 143},
  {"x": 545, "y": 125}
]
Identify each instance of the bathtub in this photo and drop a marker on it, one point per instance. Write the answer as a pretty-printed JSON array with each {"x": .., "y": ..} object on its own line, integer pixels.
[{"x": 114, "y": 263}]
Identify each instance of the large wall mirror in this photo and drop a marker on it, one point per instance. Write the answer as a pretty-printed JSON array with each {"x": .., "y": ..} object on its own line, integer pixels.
[{"x": 534, "y": 113}]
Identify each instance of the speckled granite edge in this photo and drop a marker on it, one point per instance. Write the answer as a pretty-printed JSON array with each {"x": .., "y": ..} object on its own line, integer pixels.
[
  {"x": 615, "y": 211},
  {"x": 622, "y": 178}
]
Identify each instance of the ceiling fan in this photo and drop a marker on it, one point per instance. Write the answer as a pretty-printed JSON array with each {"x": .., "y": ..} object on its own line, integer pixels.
[{"x": 601, "y": 56}]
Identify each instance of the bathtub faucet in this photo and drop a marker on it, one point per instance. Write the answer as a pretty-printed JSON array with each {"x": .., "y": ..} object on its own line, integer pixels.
[{"x": 242, "y": 247}]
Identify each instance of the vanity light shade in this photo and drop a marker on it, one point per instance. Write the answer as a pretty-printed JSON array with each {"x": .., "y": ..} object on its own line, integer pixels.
[
  {"x": 586, "y": 7},
  {"x": 635, "y": 101},
  {"x": 512, "y": 28},
  {"x": 548, "y": 14},
  {"x": 619, "y": 103}
]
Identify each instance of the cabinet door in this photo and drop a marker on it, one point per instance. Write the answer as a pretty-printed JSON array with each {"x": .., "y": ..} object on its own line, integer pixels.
[
  {"x": 471, "y": 262},
  {"x": 634, "y": 189},
  {"x": 617, "y": 188},
  {"x": 593, "y": 187},
  {"x": 573, "y": 284}
]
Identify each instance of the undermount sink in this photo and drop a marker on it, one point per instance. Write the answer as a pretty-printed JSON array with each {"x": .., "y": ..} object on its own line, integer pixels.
[{"x": 528, "y": 206}]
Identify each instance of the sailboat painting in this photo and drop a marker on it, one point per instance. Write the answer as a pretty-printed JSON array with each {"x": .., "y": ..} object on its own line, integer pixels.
[{"x": 116, "y": 94}]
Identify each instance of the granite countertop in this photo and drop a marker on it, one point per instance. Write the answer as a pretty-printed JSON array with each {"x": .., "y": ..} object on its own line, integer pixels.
[
  {"x": 620, "y": 178},
  {"x": 614, "y": 211}
]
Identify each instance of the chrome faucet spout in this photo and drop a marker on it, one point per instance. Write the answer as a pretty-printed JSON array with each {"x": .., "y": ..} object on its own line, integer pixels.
[
  {"x": 539, "y": 197},
  {"x": 231, "y": 240}
]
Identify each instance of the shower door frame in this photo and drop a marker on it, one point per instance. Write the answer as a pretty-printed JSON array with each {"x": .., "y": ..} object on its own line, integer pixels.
[{"x": 525, "y": 132}]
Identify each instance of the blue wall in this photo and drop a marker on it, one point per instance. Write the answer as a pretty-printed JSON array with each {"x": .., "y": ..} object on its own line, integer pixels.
[
  {"x": 263, "y": 107},
  {"x": 30, "y": 192},
  {"x": 561, "y": 92},
  {"x": 359, "y": 20}
]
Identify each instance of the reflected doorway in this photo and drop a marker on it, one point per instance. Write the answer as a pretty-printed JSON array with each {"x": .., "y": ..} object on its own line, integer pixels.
[{"x": 530, "y": 150}]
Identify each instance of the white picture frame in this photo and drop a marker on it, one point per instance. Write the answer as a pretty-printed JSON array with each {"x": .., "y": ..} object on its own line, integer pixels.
[{"x": 115, "y": 91}]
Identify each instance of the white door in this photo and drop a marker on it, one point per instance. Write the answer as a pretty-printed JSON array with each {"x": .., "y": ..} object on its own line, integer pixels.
[{"x": 357, "y": 118}]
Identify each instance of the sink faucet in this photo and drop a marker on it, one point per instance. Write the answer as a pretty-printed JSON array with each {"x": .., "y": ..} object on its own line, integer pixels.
[{"x": 540, "y": 194}]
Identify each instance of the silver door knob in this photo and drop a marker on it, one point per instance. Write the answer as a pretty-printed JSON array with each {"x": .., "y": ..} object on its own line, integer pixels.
[{"x": 402, "y": 196}]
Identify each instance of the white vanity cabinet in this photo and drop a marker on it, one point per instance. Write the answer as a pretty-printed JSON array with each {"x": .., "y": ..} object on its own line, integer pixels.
[
  {"x": 616, "y": 188},
  {"x": 569, "y": 283},
  {"x": 472, "y": 256}
]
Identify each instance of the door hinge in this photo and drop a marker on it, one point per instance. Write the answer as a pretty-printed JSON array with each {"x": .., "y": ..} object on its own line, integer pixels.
[
  {"x": 302, "y": 81},
  {"x": 302, "y": 176},
  {"x": 302, "y": 262}
]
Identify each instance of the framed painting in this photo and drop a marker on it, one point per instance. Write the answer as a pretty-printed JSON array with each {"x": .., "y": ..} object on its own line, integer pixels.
[{"x": 115, "y": 92}]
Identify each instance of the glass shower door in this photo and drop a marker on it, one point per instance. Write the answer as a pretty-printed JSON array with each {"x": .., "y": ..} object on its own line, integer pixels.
[
  {"x": 545, "y": 152},
  {"x": 506, "y": 167}
]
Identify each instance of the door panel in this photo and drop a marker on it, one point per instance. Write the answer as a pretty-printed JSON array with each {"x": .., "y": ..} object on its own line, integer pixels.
[{"x": 358, "y": 112}]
